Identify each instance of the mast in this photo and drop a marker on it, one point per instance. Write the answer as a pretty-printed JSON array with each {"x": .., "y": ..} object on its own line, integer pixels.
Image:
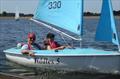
[
  {"x": 81, "y": 22},
  {"x": 119, "y": 48}
]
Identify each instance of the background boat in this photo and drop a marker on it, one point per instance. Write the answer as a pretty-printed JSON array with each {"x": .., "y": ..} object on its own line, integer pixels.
[{"x": 17, "y": 16}]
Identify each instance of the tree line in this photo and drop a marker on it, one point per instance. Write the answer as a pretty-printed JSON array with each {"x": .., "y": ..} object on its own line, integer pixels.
[
  {"x": 4, "y": 13},
  {"x": 116, "y": 13}
]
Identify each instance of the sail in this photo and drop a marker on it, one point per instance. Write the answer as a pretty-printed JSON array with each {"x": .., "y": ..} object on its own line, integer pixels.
[
  {"x": 66, "y": 14},
  {"x": 16, "y": 15},
  {"x": 106, "y": 30}
]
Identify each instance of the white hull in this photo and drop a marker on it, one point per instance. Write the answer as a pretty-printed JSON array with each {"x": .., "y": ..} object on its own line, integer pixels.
[{"x": 102, "y": 64}]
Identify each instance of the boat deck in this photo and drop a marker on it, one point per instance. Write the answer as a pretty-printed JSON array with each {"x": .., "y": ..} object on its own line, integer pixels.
[{"x": 67, "y": 52}]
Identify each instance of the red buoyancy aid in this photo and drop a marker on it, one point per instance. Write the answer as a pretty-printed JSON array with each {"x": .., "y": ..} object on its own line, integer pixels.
[
  {"x": 29, "y": 47},
  {"x": 53, "y": 44}
]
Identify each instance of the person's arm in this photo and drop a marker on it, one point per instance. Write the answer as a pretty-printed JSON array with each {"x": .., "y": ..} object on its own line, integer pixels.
[
  {"x": 58, "y": 48},
  {"x": 48, "y": 47},
  {"x": 25, "y": 50}
]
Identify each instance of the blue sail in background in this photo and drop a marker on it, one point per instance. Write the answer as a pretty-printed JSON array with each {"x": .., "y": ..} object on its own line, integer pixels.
[
  {"x": 106, "y": 30},
  {"x": 66, "y": 14}
]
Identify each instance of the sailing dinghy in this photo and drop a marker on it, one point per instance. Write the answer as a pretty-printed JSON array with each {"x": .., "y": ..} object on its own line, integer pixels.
[
  {"x": 69, "y": 16},
  {"x": 17, "y": 15}
]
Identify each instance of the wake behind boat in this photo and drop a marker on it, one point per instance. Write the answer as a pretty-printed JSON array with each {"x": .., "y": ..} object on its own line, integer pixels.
[{"x": 78, "y": 59}]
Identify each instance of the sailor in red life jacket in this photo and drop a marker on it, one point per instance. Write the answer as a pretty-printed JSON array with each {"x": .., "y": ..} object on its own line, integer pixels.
[
  {"x": 31, "y": 45},
  {"x": 50, "y": 44}
]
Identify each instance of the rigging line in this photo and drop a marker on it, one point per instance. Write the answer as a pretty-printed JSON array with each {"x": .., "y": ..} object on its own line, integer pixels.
[
  {"x": 64, "y": 40},
  {"x": 67, "y": 44},
  {"x": 50, "y": 27}
]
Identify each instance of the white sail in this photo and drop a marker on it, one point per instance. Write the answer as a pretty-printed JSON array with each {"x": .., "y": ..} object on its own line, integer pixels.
[{"x": 17, "y": 15}]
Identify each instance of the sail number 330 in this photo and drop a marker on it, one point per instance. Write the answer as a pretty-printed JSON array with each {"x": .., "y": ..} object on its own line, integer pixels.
[{"x": 54, "y": 5}]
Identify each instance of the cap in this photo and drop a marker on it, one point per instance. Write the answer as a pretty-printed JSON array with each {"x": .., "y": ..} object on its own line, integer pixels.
[
  {"x": 32, "y": 35},
  {"x": 50, "y": 35}
]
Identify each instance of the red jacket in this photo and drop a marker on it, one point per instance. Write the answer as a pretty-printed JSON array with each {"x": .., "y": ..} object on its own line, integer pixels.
[{"x": 52, "y": 44}]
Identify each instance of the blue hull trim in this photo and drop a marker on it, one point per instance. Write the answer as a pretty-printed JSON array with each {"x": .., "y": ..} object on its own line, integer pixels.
[{"x": 67, "y": 52}]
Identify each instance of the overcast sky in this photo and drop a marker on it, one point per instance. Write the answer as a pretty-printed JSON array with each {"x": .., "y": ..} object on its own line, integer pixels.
[{"x": 29, "y": 6}]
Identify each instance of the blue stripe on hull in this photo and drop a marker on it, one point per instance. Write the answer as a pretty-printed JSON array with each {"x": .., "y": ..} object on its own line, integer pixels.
[{"x": 67, "y": 52}]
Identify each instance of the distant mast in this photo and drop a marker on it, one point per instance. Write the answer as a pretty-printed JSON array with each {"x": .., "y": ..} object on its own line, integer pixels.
[{"x": 17, "y": 15}]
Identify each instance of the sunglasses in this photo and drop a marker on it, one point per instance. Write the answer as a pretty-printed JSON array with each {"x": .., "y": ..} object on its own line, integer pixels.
[{"x": 31, "y": 39}]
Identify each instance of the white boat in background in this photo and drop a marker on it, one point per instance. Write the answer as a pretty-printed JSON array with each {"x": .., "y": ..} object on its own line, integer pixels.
[
  {"x": 69, "y": 16},
  {"x": 17, "y": 16}
]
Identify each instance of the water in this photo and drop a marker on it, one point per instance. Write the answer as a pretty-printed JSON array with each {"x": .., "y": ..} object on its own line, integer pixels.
[{"x": 13, "y": 32}]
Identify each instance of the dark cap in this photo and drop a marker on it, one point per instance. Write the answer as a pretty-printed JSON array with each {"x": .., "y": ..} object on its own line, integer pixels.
[{"x": 50, "y": 35}]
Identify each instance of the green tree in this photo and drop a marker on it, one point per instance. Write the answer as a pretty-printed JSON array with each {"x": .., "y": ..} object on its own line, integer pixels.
[{"x": 4, "y": 13}]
